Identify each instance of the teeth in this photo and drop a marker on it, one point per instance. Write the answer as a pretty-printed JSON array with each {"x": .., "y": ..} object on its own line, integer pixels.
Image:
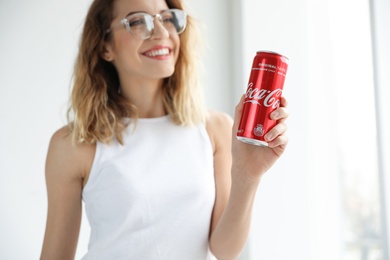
[{"x": 159, "y": 52}]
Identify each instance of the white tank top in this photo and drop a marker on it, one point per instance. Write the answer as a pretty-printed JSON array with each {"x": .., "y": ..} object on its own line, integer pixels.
[{"x": 152, "y": 198}]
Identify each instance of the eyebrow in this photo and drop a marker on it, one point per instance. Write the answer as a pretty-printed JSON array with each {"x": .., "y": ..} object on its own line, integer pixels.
[{"x": 135, "y": 12}]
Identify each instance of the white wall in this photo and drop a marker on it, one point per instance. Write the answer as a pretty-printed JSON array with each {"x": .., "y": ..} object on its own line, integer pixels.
[
  {"x": 38, "y": 41},
  {"x": 213, "y": 18}
]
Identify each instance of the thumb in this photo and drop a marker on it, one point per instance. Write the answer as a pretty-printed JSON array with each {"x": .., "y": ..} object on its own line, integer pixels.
[{"x": 237, "y": 114}]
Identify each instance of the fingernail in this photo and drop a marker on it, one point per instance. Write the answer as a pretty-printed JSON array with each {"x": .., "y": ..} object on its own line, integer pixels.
[
  {"x": 275, "y": 115},
  {"x": 268, "y": 137}
]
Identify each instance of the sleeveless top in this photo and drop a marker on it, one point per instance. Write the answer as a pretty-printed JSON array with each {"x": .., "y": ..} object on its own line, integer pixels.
[{"x": 151, "y": 198}]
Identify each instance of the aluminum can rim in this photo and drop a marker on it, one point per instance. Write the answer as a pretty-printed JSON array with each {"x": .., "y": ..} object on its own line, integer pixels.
[{"x": 271, "y": 52}]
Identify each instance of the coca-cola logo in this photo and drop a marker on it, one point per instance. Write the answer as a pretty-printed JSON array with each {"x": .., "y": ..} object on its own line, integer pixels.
[{"x": 263, "y": 97}]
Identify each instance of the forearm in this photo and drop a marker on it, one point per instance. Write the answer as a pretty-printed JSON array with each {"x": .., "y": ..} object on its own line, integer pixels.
[{"x": 230, "y": 235}]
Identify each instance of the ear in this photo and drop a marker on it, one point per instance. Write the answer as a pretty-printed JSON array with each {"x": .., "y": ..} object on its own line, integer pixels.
[{"x": 107, "y": 53}]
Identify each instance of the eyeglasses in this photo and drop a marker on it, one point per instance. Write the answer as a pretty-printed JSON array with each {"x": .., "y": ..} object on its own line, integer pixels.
[{"x": 141, "y": 25}]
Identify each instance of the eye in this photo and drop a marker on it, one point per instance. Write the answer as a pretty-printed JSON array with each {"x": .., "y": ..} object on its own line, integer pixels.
[
  {"x": 168, "y": 18},
  {"x": 137, "y": 22}
]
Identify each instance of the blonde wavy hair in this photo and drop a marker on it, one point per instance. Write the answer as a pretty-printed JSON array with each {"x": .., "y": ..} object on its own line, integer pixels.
[{"x": 97, "y": 109}]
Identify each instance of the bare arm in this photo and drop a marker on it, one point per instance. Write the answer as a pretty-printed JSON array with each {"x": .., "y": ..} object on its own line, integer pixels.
[
  {"x": 66, "y": 169},
  {"x": 237, "y": 176}
]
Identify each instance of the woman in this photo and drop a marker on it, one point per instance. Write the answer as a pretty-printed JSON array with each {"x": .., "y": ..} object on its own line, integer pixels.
[{"x": 160, "y": 177}]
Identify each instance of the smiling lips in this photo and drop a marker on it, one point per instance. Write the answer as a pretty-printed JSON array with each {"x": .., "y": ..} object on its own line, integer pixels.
[{"x": 158, "y": 53}]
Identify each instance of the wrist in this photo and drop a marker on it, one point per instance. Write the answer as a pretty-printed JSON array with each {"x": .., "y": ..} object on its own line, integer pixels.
[{"x": 245, "y": 179}]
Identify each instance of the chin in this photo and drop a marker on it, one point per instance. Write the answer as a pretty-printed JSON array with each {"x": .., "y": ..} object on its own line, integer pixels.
[{"x": 168, "y": 73}]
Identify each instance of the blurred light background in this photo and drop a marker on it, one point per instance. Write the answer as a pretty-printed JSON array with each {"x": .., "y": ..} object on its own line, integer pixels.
[{"x": 327, "y": 198}]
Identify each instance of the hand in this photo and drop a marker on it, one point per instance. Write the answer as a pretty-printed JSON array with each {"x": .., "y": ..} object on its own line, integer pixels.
[{"x": 251, "y": 161}]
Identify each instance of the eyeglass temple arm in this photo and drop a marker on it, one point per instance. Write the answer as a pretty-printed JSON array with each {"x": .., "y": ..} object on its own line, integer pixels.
[{"x": 122, "y": 22}]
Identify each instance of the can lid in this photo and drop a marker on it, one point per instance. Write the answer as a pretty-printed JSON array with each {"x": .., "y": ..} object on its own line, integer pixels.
[{"x": 272, "y": 52}]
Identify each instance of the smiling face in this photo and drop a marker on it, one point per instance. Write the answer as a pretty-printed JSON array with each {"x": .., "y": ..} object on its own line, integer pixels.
[{"x": 152, "y": 58}]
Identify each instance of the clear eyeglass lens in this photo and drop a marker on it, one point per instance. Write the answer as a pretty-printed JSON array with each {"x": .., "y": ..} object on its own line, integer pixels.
[{"x": 141, "y": 25}]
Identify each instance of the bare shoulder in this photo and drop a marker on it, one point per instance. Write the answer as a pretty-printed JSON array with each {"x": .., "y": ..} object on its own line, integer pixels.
[
  {"x": 65, "y": 157},
  {"x": 219, "y": 127},
  {"x": 218, "y": 121}
]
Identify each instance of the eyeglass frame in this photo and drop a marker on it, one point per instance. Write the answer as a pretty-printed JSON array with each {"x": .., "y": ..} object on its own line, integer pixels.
[{"x": 125, "y": 22}]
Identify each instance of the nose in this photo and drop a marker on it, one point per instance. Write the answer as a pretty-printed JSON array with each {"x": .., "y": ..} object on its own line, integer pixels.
[{"x": 159, "y": 31}]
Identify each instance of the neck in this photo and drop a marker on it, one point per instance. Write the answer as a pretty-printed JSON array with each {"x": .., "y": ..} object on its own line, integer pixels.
[{"x": 146, "y": 95}]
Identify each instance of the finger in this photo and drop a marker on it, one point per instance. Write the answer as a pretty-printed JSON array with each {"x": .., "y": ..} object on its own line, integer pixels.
[
  {"x": 283, "y": 102},
  {"x": 280, "y": 113},
  {"x": 238, "y": 113},
  {"x": 281, "y": 141},
  {"x": 279, "y": 129}
]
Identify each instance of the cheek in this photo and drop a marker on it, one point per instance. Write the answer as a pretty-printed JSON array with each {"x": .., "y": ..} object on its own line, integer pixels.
[
  {"x": 126, "y": 55},
  {"x": 124, "y": 43}
]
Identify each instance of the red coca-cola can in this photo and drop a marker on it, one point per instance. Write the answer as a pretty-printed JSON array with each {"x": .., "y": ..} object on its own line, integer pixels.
[{"x": 263, "y": 95}]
